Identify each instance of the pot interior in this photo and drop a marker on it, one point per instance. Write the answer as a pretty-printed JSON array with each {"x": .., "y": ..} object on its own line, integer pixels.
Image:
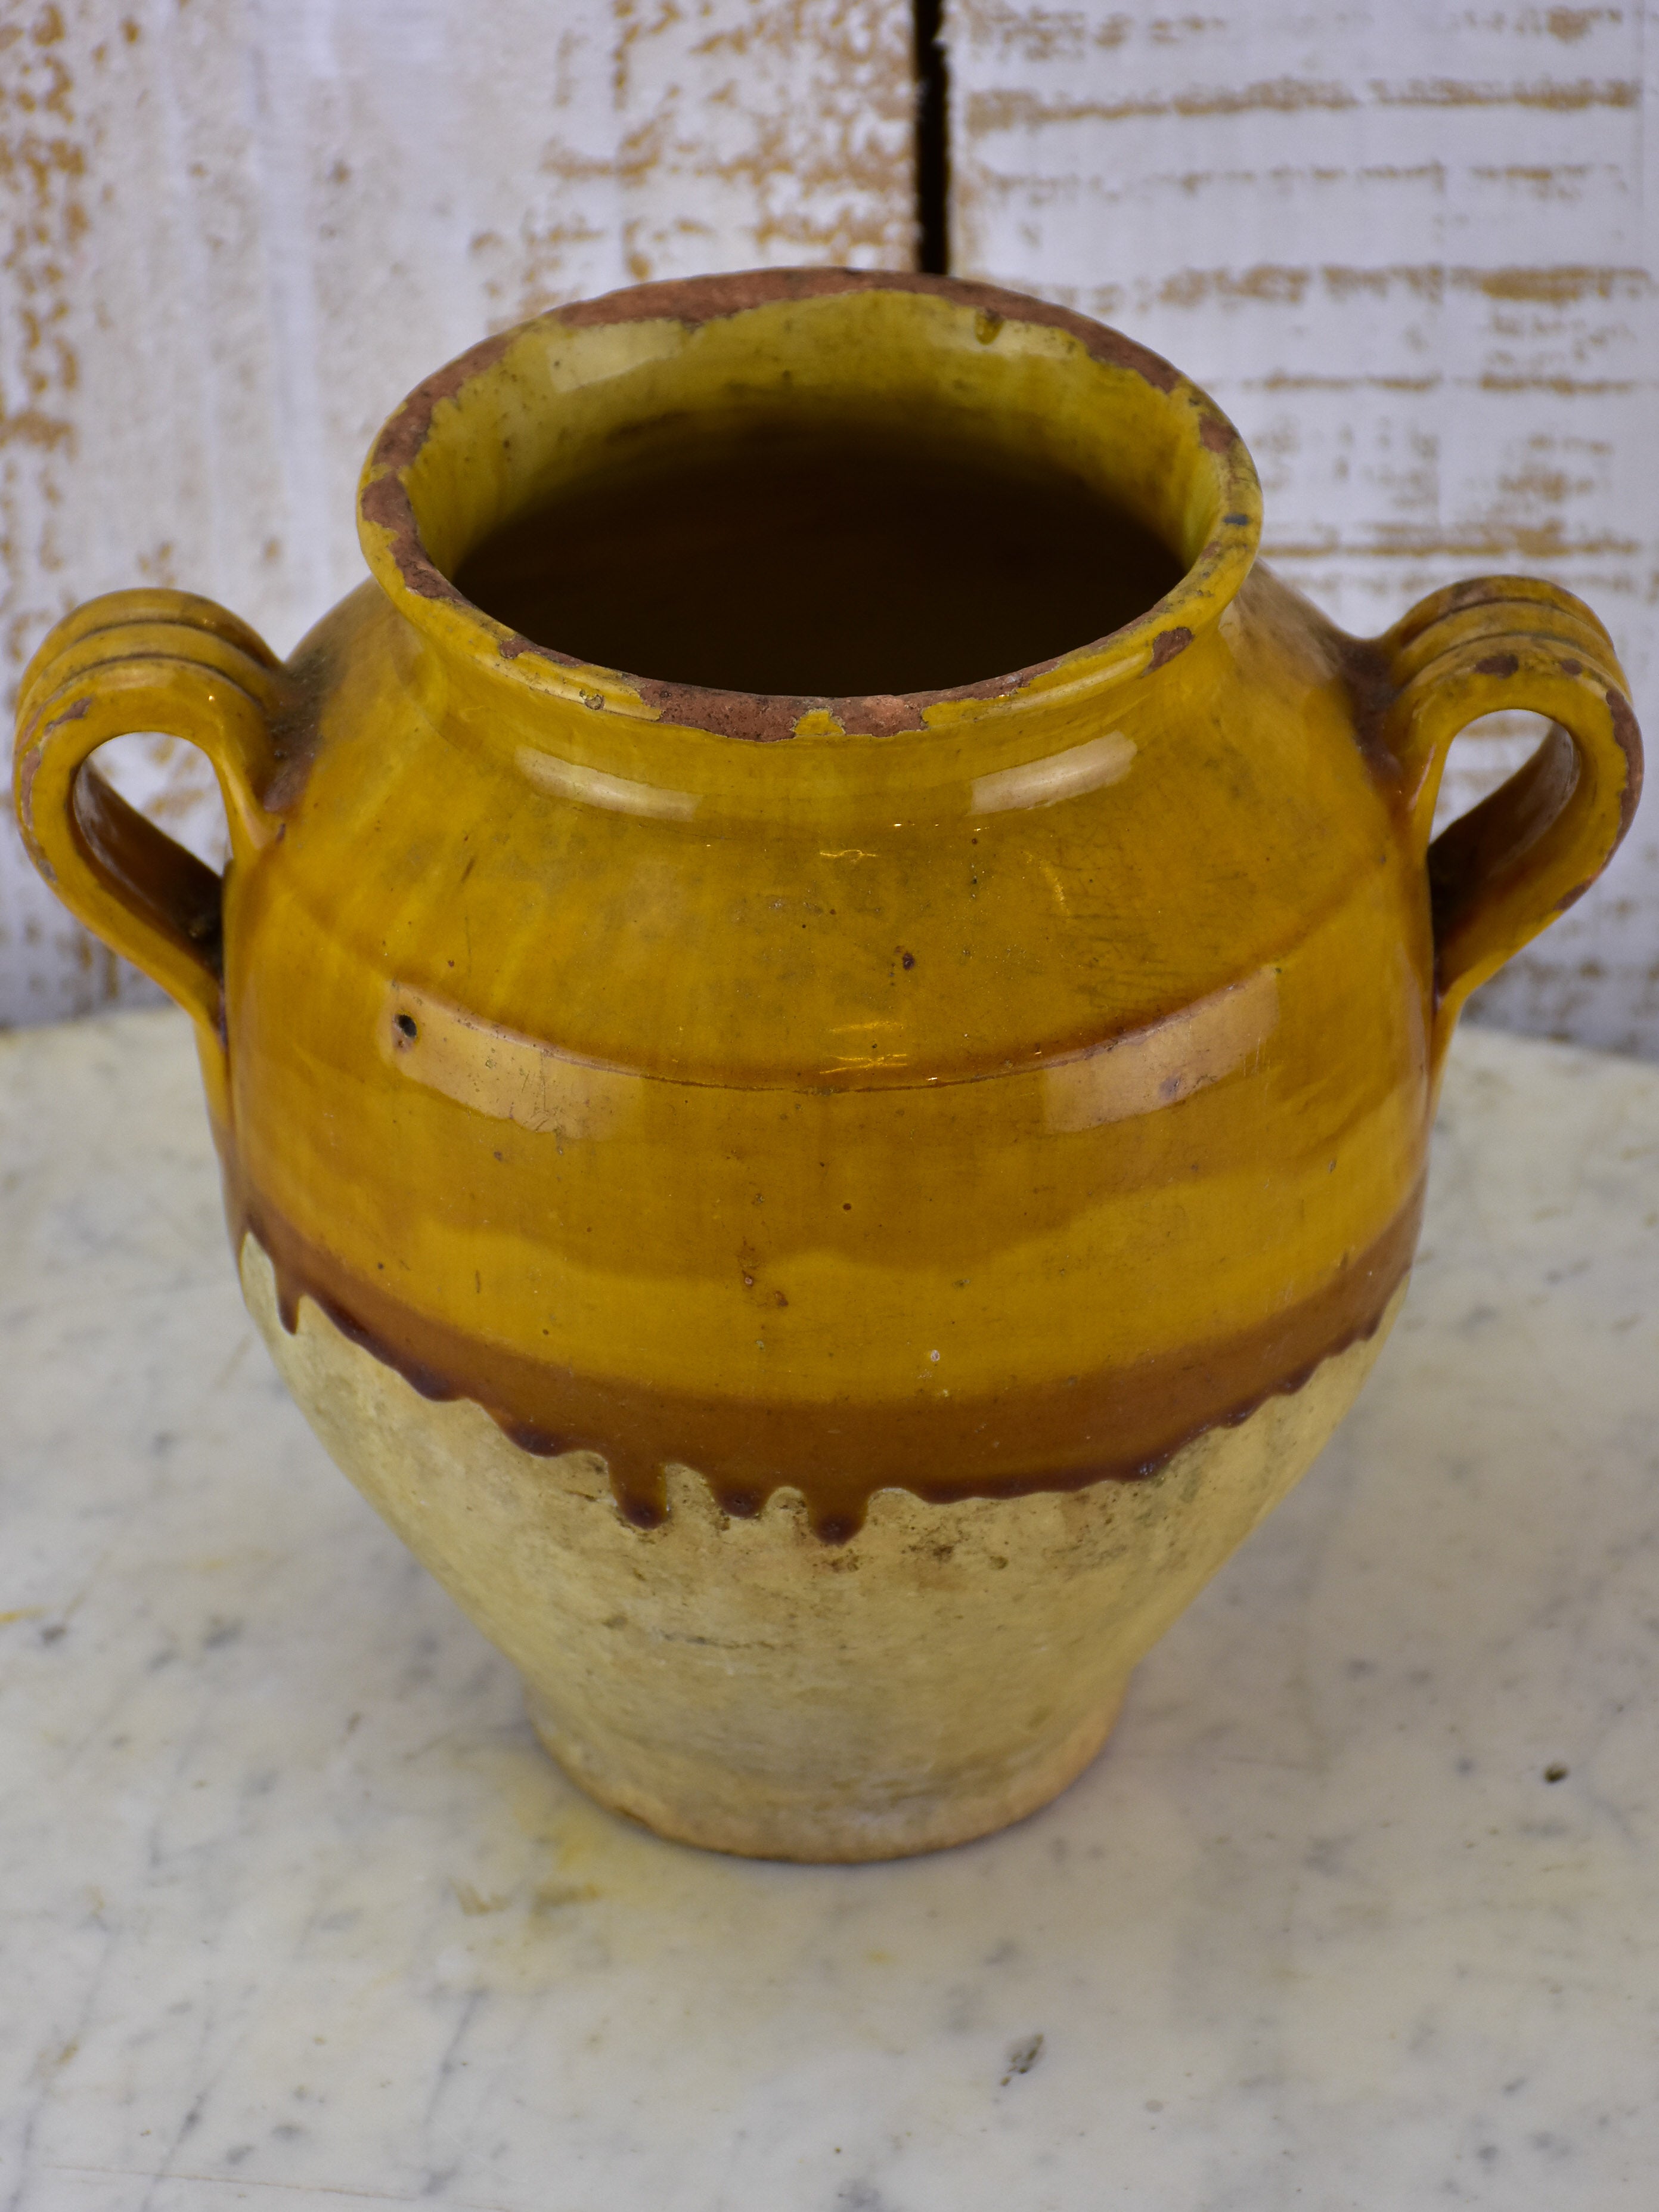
[{"x": 804, "y": 550}]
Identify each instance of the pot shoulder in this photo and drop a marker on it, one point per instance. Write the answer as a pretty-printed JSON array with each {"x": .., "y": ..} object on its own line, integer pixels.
[{"x": 1221, "y": 820}]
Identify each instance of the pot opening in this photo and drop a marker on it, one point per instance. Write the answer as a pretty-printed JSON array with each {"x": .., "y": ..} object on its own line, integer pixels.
[
  {"x": 800, "y": 552},
  {"x": 830, "y": 498}
]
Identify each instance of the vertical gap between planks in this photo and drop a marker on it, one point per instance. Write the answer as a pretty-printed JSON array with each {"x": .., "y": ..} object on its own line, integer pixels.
[{"x": 933, "y": 141}]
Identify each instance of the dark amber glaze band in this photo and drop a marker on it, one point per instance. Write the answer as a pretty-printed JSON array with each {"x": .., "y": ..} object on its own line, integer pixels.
[{"x": 1116, "y": 1423}]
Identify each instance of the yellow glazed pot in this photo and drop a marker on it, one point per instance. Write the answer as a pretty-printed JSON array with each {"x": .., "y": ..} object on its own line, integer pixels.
[{"x": 820, "y": 1186}]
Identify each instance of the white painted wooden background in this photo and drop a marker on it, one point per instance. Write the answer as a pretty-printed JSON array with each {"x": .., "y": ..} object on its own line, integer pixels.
[
  {"x": 238, "y": 231},
  {"x": 1406, "y": 245},
  {"x": 1409, "y": 246}
]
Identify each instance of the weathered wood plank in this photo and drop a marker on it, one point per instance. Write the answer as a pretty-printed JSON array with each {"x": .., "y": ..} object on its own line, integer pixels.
[
  {"x": 233, "y": 233},
  {"x": 1410, "y": 248}
]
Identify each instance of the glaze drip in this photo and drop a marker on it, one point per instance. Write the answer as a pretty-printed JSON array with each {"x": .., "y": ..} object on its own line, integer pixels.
[{"x": 1119, "y": 1424}]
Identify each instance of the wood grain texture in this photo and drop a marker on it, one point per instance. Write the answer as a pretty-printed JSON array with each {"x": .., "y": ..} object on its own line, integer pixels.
[
  {"x": 1409, "y": 246},
  {"x": 233, "y": 233}
]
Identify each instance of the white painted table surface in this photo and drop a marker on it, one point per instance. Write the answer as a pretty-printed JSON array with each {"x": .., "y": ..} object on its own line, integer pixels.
[{"x": 297, "y": 1913}]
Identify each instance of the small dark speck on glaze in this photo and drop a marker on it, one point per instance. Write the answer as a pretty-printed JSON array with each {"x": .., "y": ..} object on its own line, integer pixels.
[
  {"x": 1235, "y": 521},
  {"x": 907, "y": 959},
  {"x": 1497, "y": 664},
  {"x": 407, "y": 1025}
]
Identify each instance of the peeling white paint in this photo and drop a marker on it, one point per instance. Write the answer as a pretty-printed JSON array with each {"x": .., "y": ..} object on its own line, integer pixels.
[
  {"x": 1406, "y": 245},
  {"x": 233, "y": 234},
  {"x": 1409, "y": 248}
]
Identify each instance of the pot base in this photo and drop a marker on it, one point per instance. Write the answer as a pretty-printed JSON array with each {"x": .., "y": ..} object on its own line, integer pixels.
[
  {"x": 742, "y": 1685},
  {"x": 680, "y": 1800}
]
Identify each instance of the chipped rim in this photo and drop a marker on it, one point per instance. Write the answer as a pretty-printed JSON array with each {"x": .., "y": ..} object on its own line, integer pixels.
[{"x": 389, "y": 533}]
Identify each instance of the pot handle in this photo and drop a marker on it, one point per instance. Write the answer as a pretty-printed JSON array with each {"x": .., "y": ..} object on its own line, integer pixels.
[
  {"x": 141, "y": 661},
  {"x": 1503, "y": 871}
]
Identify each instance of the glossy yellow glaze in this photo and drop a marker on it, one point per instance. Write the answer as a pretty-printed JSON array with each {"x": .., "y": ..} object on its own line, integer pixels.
[{"x": 974, "y": 1092}]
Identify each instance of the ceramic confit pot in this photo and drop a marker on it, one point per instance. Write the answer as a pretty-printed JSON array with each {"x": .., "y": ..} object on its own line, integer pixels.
[{"x": 820, "y": 1186}]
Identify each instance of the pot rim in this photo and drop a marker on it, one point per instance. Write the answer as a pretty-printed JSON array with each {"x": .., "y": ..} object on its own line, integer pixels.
[{"x": 393, "y": 543}]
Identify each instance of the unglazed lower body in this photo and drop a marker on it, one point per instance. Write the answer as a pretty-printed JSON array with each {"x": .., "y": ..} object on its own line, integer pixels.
[{"x": 740, "y": 1684}]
